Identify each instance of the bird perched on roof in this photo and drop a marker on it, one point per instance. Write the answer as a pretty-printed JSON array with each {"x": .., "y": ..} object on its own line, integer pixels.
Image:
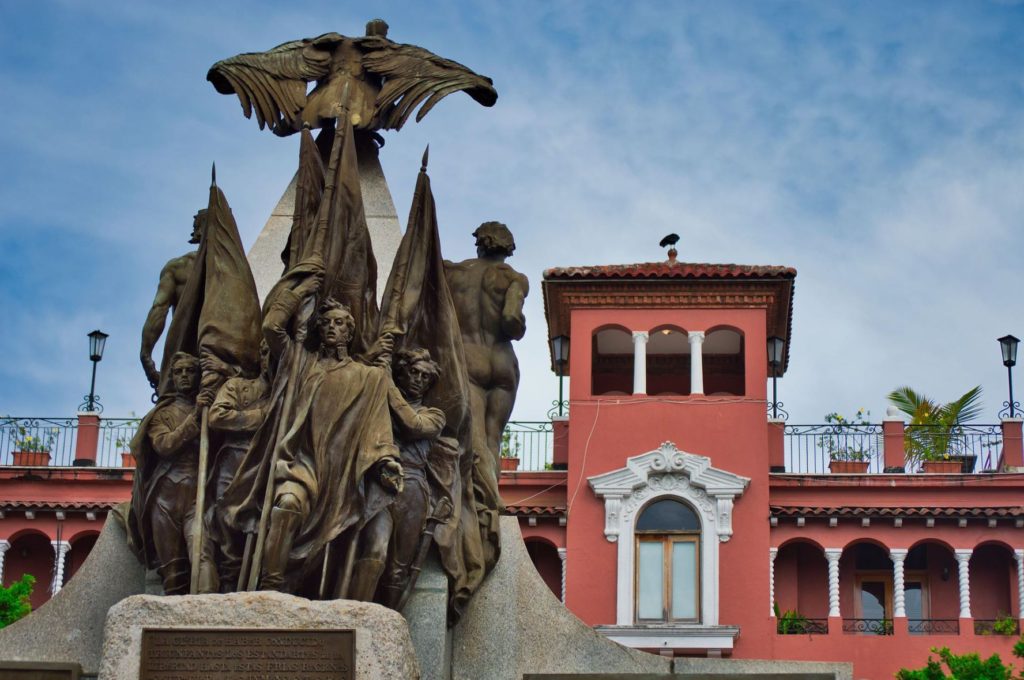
[
  {"x": 671, "y": 240},
  {"x": 387, "y": 81}
]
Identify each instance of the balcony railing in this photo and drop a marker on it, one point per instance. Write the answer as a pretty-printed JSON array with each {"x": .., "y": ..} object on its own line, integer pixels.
[
  {"x": 933, "y": 626},
  {"x": 37, "y": 441},
  {"x": 529, "y": 441},
  {"x": 53, "y": 442},
  {"x": 802, "y": 627},
  {"x": 809, "y": 449},
  {"x": 868, "y": 626},
  {"x": 1005, "y": 626}
]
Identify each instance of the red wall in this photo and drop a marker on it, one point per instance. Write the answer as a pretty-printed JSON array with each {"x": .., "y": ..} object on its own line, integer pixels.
[{"x": 604, "y": 431}]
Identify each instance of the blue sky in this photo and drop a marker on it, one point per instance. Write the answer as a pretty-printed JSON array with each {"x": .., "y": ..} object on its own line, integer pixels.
[{"x": 877, "y": 147}]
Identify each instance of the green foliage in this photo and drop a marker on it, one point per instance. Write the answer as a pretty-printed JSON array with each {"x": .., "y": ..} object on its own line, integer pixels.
[
  {"x": 933, "y": 435},
  {"x": 1005, "y": 624},
  {"x": 14, "y": 602},
  {"x": 789, "y": 622},
  {"x": 509, "y": 446},
  {"x": 964, "y": 667},
  {"x": 846, "y": 443},
  {"x": 32, "y": 439}
]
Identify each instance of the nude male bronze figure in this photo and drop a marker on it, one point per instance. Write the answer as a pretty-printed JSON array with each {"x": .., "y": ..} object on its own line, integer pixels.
[
  {"x": 488, "y": 296},
  {"x": 173, "y": 277}
]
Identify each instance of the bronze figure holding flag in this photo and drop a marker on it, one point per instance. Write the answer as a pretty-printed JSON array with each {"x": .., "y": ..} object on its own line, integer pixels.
[{"x": 348, "y": 439}]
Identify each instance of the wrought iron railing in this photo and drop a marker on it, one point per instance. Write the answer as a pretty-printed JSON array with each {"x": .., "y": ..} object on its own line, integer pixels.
[
  {"x": 802, "y": 627},
  {"x": 115, "y": 436},
  {"x": 810, "y": 448},
  {"x": 529, "y": 441},
  {"x": 933, "y": 626},
  {"x": 1004, "y": 626},
  {"x": 37, "y": 441},
  {"x": 52, "y": 442},
  {"x": 975, "y": 447},
  {"x": 868, "y": 626}
]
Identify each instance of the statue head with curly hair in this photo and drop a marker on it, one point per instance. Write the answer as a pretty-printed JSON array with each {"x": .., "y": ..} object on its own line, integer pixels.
[
  {"x": 415, "y": 372},
  {"x": 494, "y": 238}
]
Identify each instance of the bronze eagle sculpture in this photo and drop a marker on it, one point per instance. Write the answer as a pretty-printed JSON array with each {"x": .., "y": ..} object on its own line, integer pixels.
[{"x": 387, "y": 81}]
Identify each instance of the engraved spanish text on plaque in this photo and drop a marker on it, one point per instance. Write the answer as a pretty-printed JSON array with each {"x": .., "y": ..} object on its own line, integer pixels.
[{"x": 247, "y": 654}]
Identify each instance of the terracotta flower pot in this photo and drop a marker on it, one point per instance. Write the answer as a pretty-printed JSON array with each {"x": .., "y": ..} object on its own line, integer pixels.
[
  {"x": 942, "y": 466},
  {"x": 128, "y": 459},
  {"x": 509, "y": 464},
  {"x": 31, "y": 458},
  {"x": 858, "y": 467}
]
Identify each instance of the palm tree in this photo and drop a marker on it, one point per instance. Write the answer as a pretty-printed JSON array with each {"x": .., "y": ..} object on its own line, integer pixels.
[{"x": 934, "y": 433}]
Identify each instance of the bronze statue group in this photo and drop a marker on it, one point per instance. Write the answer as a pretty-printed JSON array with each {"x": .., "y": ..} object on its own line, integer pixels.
[{"x": 320, "y": 444}]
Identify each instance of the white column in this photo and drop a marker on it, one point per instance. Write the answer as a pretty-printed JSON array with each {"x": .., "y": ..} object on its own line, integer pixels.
[
  {"x": 4, "y": 545},
  {"x": 696, "y": 362},
  {"x": 833, "y": 555},
  {"x": 561, "y": 556},
  {"x": 899, "y": 603},
  {"x": 639, "y": 362},
  {"x": 1019, "y": 554},
  {"x": 60, "y": 549},
  {"x": 963, "y": 560},
  {"x": 772, "y": 554}
]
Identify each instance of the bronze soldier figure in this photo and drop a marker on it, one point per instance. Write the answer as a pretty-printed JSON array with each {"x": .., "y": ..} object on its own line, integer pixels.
[
  {"x": 169, "y": 445},
  {"x": 173, "y": 277},
  {"x": 238, "y": 411},
  {"x": 392, "y": 539},
  {"x": 337, "y": 464}
]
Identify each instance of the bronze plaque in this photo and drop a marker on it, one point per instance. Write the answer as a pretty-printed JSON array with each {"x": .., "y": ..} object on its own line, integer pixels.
[{"x": 247, "y": 654}]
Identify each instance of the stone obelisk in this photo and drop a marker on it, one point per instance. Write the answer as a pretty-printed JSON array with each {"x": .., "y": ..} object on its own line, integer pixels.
[{"x": 381, "y": 218}]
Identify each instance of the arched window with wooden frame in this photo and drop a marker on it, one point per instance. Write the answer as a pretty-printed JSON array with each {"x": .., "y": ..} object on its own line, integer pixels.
[
  {"x": 668, "y": 545},
  {"x": 612, "y": 369}
]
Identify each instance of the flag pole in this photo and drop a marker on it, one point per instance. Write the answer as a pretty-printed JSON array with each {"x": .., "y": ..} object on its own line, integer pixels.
[
  {"x": 197, "y": 530},
  {"x": 304, "y": 315}
]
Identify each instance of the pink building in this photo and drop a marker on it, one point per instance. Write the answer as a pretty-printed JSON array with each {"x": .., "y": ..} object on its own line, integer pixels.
[
  {"x": 669, "y": 510},
  {"x": 686, "y": 517}
]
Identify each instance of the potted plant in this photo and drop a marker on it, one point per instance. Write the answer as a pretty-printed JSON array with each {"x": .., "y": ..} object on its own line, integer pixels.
[
  {"x": 847, "y": 443},
  {"x": 1004, "y": 625},
  {"x": 32, "y": 449},
  {"x": 789, "y": 622},
  {"x": 509, "y": 452},
  {"x": 933, "y": 439}
]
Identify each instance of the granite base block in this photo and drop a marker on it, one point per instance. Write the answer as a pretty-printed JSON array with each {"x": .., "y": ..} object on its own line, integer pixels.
[{"x": 384, "y": 649}]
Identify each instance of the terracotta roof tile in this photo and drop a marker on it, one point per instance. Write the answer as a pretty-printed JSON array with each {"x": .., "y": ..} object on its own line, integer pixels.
[
  {"x": 58, "y": 505},
  {"x": 860, "y": 511},
  {"x": 542, "y": 510},
  {"x": 671, "y": 269}
]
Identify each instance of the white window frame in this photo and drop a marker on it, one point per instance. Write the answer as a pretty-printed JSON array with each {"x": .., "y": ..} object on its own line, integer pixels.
[{"x": 663, "y": 473}]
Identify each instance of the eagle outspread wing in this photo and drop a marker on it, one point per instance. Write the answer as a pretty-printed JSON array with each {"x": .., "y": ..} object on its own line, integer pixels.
[
  {"x": 274, "y": 83},
  {"x": 412, "y": 76}
]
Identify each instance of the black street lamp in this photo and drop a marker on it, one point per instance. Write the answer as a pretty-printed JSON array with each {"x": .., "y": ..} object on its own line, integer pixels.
[
  {"x": 1008, "y": 345},
  {"x": 776, "y": 347},
  {"x": 97, "y": 341},
  {"x": 560, "y": 353}
]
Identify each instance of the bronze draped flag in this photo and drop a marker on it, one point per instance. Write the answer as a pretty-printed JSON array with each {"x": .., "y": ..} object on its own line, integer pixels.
[
  {"x": 337, "y": 244},
  {"x": 218, "y": 314},
  {"x": 309, "y": 189},
  {"x": 417, "y": 308}
]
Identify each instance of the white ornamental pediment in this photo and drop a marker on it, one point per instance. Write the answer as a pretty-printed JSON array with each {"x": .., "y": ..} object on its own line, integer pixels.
[{"x": 668, "y": 472}]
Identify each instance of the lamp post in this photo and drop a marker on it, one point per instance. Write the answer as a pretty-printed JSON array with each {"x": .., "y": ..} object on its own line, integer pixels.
[
  {"x": 560, "y": 354},
  {"x": 1008, "y": 345},
  {"x": 97, "y": 341},
  {"x": 776, "y": 346}
]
